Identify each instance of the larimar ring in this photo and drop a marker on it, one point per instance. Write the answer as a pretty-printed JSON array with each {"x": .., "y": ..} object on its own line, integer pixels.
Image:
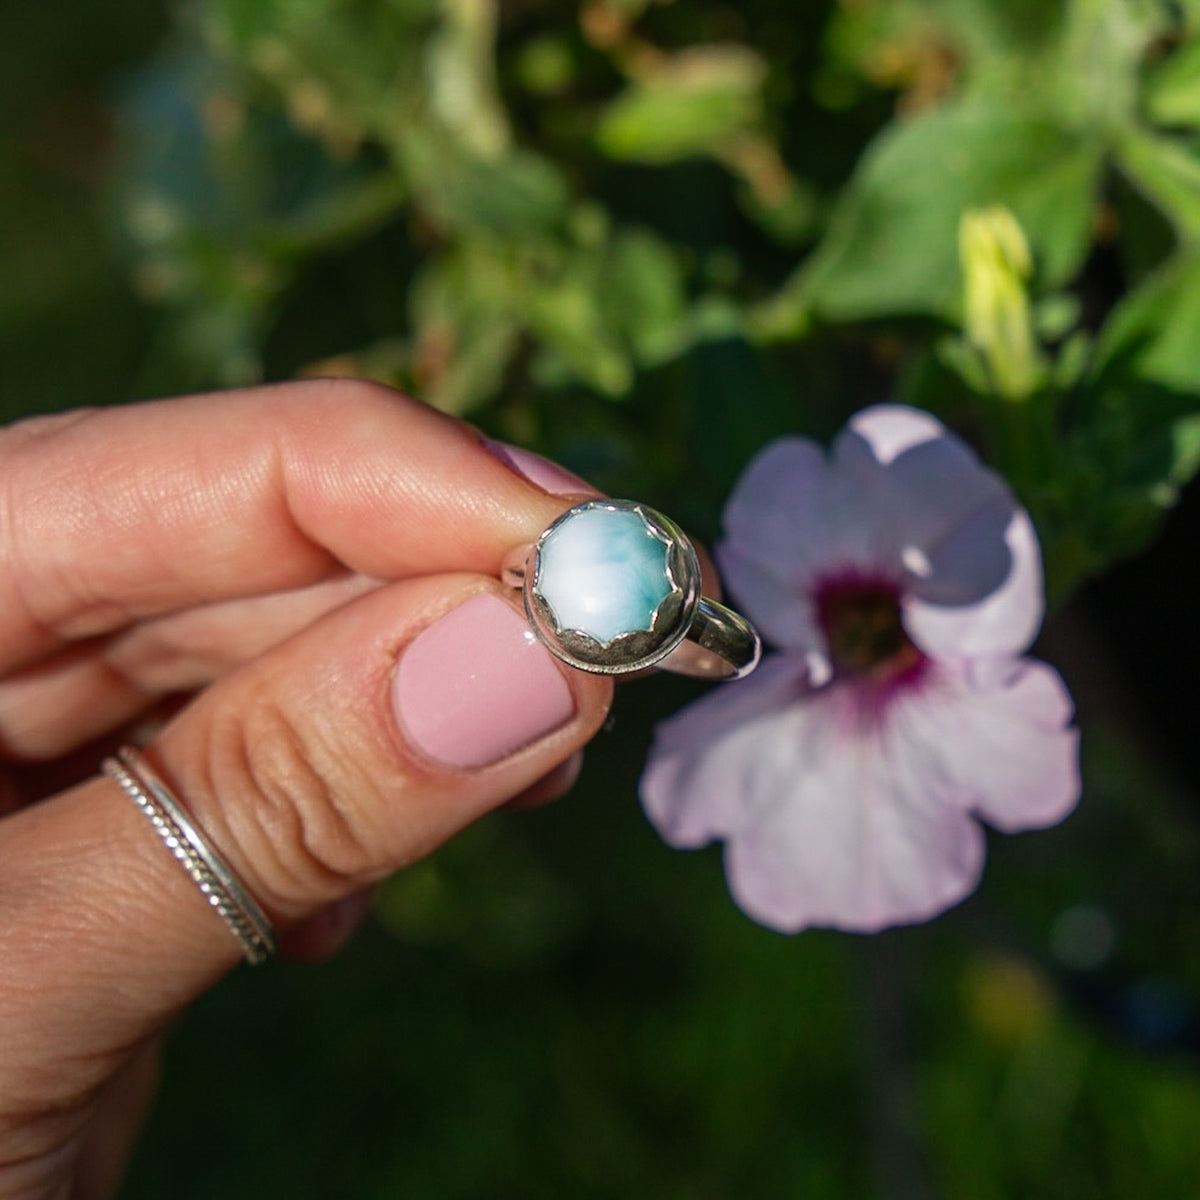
[{"x": 614, "y": 587}]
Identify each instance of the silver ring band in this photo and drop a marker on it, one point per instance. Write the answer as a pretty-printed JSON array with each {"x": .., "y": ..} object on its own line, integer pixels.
[
  {"x": 720, "y": 644},
  {"x": 232, "y": 903},
  {"x": 613, "y": 587}
]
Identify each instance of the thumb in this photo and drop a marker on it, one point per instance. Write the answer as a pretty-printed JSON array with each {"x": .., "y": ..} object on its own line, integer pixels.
[
  {"x": 367, "y": 741},
  {"x": 344, "y": 753}
]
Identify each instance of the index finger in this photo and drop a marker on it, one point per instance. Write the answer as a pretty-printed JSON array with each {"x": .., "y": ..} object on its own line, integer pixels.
[{"x": 108, "y": 516}]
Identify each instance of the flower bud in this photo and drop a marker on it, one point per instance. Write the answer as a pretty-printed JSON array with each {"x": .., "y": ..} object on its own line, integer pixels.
[{"x": 996, "y": 267}]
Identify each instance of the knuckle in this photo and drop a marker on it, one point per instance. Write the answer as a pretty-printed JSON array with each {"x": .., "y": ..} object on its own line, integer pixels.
[
  {"x": 43, "y": 490},
  {"x": 36, "y": 429},
  {"x": 298, "y": 835},
  {"x": 328, "y": 403}
]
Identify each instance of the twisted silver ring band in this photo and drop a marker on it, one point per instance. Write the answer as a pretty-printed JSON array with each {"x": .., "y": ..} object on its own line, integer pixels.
[{"x": 232, "y": 903}]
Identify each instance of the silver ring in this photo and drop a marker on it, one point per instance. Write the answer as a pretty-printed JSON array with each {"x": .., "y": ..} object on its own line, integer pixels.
[
  {"x": 613, "y": 587},
  {"x": 232, "y": 903}
]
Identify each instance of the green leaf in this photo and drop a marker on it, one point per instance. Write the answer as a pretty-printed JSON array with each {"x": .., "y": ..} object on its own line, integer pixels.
[
  {"x": 546, "y": 65},
  {"x": 1013, "y": 27},
  {"x": 641, "y": 295},
  {"x": 1056, "y": 315},
  {"x": 1185, "y": 453},
  {"x": 460, "y": 71},
  {"x": 577, "y": 342},
  {"x": 1091, "y": 75},
  {"x": 687, "y": 105},
  {"x": 1166, "y": 170},
  {"x": 891, "y": 248},
  {"x": 1153, "y": 335},
  {"x": 1172, "y": 94},
  {"x": 1073, "y": 359},
  {"x": 475, "y": 366},
  {"x": 517, "y": 195},
  {"x": 1136, "y": 417},
  {"x": 577, "y": 301},
  {"x": 344, "y": 71},
  {"x": 463, "y": 306},
  {"x": 1078, "y": 61}
]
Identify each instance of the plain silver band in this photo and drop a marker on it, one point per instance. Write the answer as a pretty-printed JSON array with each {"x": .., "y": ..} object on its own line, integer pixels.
[
  {"x": 720, "y": 644},
  {"x": 232, "y": 903}
]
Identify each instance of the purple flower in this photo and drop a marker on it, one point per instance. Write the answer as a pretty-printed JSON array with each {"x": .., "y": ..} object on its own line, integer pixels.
[{"x": 901, "y": 582}]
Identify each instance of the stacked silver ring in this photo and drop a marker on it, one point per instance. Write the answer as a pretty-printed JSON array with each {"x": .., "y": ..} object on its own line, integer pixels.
[{"x": 232, "y": 903}]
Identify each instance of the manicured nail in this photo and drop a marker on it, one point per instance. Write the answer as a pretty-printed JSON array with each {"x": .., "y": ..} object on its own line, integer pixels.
[
  {"x": 477, "y": 686},
  {"x": 541, "y": 472}
]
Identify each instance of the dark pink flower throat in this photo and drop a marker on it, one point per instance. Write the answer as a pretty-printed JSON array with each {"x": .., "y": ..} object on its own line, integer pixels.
[{"x": 860, "y": 617}]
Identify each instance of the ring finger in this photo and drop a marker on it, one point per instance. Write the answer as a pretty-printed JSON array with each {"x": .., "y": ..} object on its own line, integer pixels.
[{"x": 95, "y": 687}]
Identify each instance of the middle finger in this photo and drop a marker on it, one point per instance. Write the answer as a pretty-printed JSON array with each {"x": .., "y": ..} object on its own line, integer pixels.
[{"x": 93, "y": 688}]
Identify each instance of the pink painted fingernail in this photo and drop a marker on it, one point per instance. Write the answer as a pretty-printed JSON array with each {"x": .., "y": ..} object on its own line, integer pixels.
[
  {"x": 541, "y": 472},
  {"x": 477, "y": 686}
]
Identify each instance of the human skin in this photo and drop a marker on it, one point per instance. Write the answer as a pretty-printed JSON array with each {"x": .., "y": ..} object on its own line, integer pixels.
[{"x": 271, "y": 555}]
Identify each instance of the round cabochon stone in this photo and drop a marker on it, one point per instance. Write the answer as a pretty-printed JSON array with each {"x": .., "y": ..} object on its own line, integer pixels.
[{"x": 603, "y": 572}]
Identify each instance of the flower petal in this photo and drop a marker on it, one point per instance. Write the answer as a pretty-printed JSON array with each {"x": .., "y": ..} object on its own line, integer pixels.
[
  {"x": 778, "y": 533},
  {"x": 846, "y": 805},
  {"x": 702, "y": 777},
  {"x": 938, "y": 502},
  {"x": 891, "y": 429},
  {"x": 1002, "y": 624},
  {"x": 903, "y": 498},
  {"x": 780, "y": 607},
  {"x": 829, "y": 820},
  {"x": 973, "y": 565},
  {"x": 776, "y": 510},
  {"x": 1006, "y": 752},
  {"x": 856, "y": 839}
]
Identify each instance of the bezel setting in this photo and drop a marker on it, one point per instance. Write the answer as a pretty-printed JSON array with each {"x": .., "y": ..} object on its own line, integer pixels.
[{"x": 634, "y": 649}]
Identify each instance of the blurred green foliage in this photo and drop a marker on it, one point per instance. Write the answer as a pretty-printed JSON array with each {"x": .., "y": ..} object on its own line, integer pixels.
[
  {"x": 645, "y": 237},
  {"x": 546, "y": 204}
]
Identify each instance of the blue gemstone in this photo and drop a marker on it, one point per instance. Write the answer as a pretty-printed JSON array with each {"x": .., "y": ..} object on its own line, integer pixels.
[{"x": 603, "y": 572}]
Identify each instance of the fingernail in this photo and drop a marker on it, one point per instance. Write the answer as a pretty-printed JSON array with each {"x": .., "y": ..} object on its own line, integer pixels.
[
  {"x": 342, "y": 918},
  {"x": 477, "y": 686},
  {"x": 326, "y": 932},
  {"x": 541, "y": 472}
]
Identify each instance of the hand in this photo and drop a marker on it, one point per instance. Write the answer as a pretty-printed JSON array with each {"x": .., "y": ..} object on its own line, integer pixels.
[{"x": 315, "y": 565}]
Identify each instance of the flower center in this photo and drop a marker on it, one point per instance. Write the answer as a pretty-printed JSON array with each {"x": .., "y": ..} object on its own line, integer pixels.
[{"x": 863, "y": 629}]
